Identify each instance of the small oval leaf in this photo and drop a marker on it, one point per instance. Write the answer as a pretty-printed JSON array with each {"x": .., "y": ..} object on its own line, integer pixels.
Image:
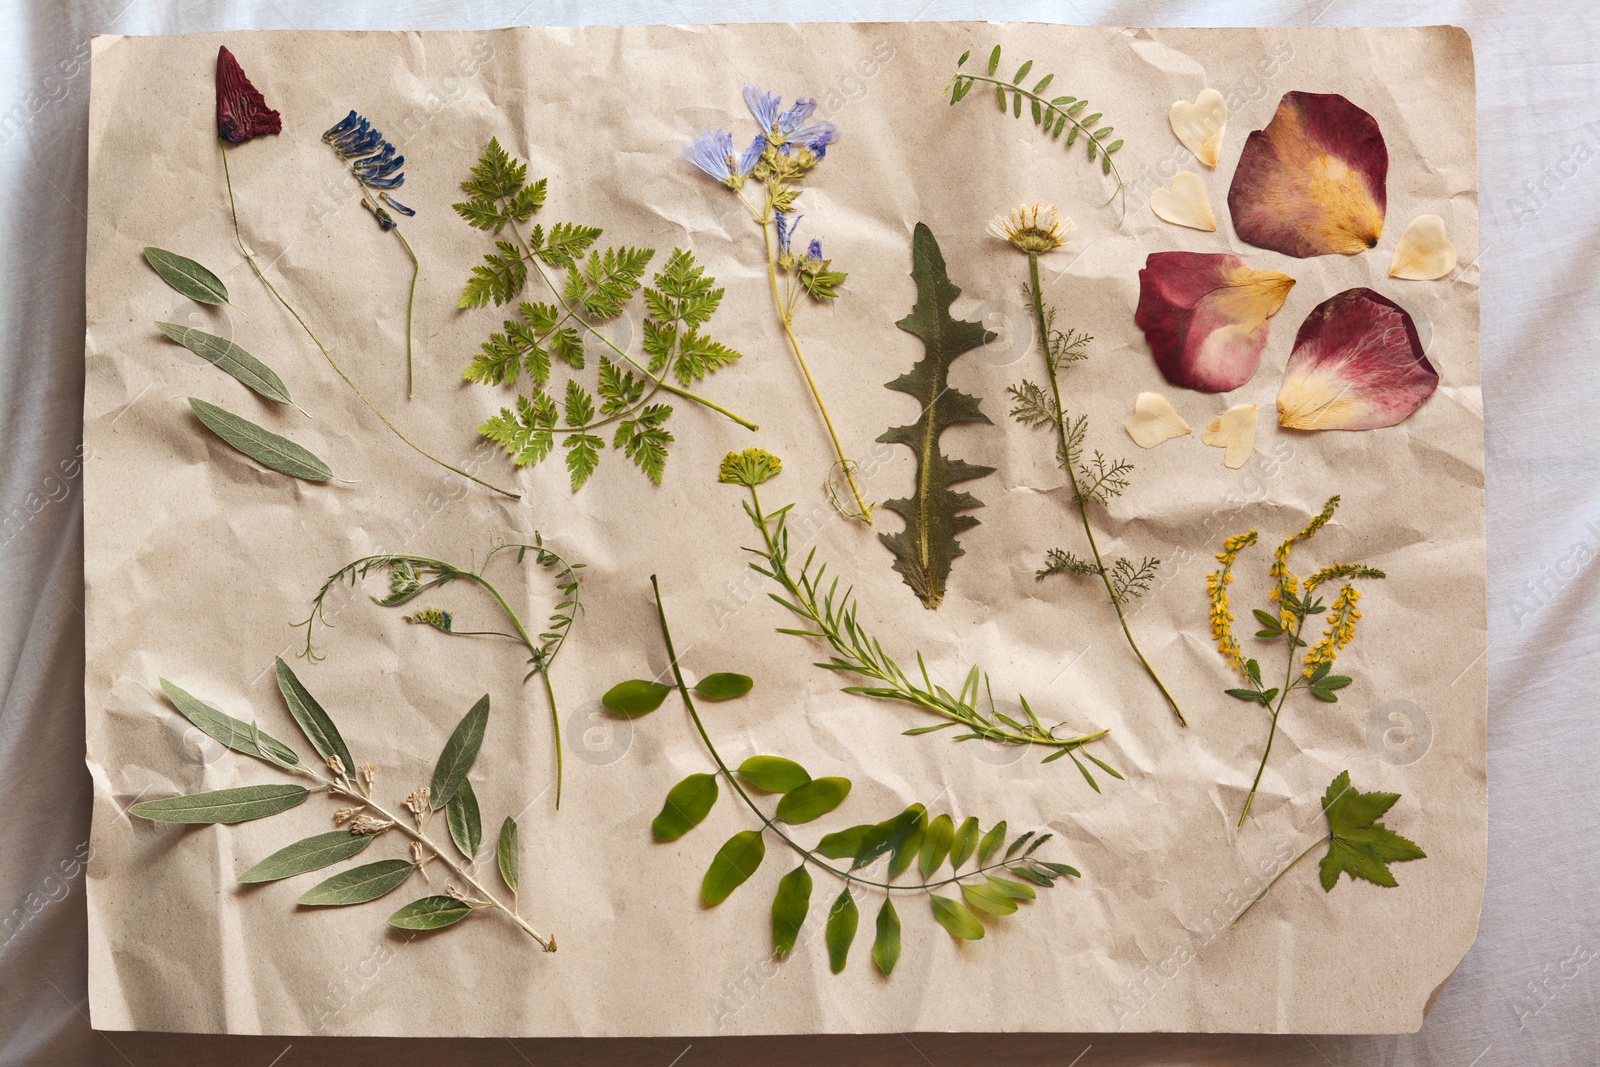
[
  {"x": 312, "y": 854},
  {"x": 991, "y": 842},
  {"x": 906, "y": 842},
  {"x": 240, "y": 804},
  {"x": 466, "y": 826},
  {"x": 987, "y": 899},
  {"x": 723, "y": 686},
  {"x": 966, "y": 840},
  {"x": 734, "y": 862},
  {"x": 506, "y": 853},
  {"x": 773, "y": 774},
  {"x": 459, "y": 752},
  {"x": 358, "y": 885},
  {"x": 634, "y": 698},
  {"x": 263, "y": 446},
  {"x": 789, "y": 909},
  {"x": 229, "y": 357},
  {"x": 843, "y": 918},
  {"x": 687, "y": 804},
  {"x": 187, "y": 276},
  {"x": 430, "y": 913},
  {"x": 957, "y": 918},
  {"x": 846, "y": 843},
  {"x": 812, "y": 800},
  {"x": 936, "y": 845},
  {"x": 886, "y": 946},
  {"x": 1014, "y": 890}
]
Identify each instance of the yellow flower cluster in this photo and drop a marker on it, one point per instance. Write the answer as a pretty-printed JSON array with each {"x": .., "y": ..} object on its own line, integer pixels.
[
  {"x": 1341, "y": 629},
  {"x": 1217, "y": 589},
  {"x": 1283, "y": 580}
]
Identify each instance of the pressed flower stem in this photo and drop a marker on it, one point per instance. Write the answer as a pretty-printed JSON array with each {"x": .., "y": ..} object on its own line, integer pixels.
[
  {"x": 1289, "y": 684},
  {"x": 260, "y": 273},
  {"x": 411, "y": 308},
  {"x": 785, "y": 316},
  {"x": 1280, "y": 874},
  {"x": 806, "y": 854},
  {"x": 1072, "y": 477}
]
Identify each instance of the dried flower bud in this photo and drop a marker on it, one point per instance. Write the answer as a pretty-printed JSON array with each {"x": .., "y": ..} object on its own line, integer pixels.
[
  {"x": 336, "y": 765},
  {"x": 366, "y": 824},
  {"x": 242, "y": 112},
  {"x": 417, "y": 801},
  {"x": 344, "y": 815},
  {"x": 416, "y": 854}
]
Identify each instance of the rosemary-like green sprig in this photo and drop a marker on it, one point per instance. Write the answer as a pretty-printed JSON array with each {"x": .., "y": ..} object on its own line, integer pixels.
[
  {"x": 831, "y": 617},
  {"x": 410, "y": 576}
]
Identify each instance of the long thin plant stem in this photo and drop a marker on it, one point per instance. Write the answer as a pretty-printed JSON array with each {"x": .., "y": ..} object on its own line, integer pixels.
[
  {"x": 786, "y": 317},
  {"x": 1078, "y": 497},
  {"x": 1288, "y": 685},
  {"x": 411, "y": 310},
  {"x": 1280, "y": 874},
  {"x": 262, "y": 274}
]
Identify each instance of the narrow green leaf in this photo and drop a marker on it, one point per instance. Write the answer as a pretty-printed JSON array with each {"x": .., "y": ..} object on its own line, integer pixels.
[
  {"x": 994, "y": 59},
  {"x": 816, "y": 798},
  {"x": 886, "y": 946},
  {"x": 905, "y": 842},
  {"x": 1022, "y": 72},
  {"x": 430, "y": 913},
  {"x": 225, "y": 728},
  {"x": 915, "y": 730},
  {"x": 966, "y": 840},
  {"x": 263, "y": 446},
  {"x": 240, "y": 804},
  {"x": 311, "y": 854},
  {"x": 187, "y": 276},
  {"x": 987, "y": 899},
  {"x": 936, "y": 844},
  {"x": 1246, "y": 694},
  {"x": 844, "y": 844},
  {"x": 723, "y": 686},
  {"x": 506, "y": 853},
  {"x": 843, "y": 918},
  {"x": 991, "y": 842},
  {"x": 1016, "y": 846},
  {"x": 964, "y": 57},
  {"x": 634, "y": 698},
  {"x": 773, "y": 774},
  {"x": 466, "y": 825},
  {"x": 313, "y": 721},
  {"x": 359, "y": 884},
  {"x": 458, "y": 754},
  {"x": 789, "y": 909},
  {"x": 956, "y": 917},
  {"x": 229, "y": 357},
  {"x": 1032, "y": 875},
  {"x": 734, "y": 862},
  {"x": 1060, "y": 869},
  {"x": 687, "y": 804},
  {"x": 1014, "y": 890}
]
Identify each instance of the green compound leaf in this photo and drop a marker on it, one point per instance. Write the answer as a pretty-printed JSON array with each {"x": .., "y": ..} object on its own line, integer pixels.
[
  {"x": 924, "y": 550},
  {"x": 957, "y": 918},
  {"x": 686, "y": 806},
  {"x": 733, "y": 864},
  {"x": 466, "y": 825},
  {"x": 843, "y": 918},
  {"x": 314, "y": 722},
  {"x": 359, "y": 884},
  {"x": 312, "y": 854},
  {"x": 450, "y": 773},
  {"x": 789, "y": 909},
  {"x": 634, "y": 698},
  {"x": 1359, "y": 845},
  {"x": 187, "y": 276},
  {"x": 263, "y": 446},
  {"x": 812, "y": 800},
  {"x": 936, "y": 844},
  {"x": 723, "y": 686},
  {"x": 229, "y": 357},
  {"x": 231, "y": 732},
  {"x": 430, "y": 913},
  {"x": 886, "y": 946},
  {"x": 240, "y": 804}
]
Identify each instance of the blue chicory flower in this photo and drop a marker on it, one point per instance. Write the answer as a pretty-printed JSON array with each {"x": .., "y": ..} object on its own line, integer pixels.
[
  {"x": 814, "y": 249},
  {"x": 713, "y": 153},
  {"x": 764, "y": 106}
]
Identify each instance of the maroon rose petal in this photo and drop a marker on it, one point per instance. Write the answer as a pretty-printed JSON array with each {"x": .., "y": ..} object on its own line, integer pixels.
[{"x": 242, "y": 112}]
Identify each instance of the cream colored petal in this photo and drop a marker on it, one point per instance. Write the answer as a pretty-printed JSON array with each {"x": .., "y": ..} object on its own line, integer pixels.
[
  {"x": 1235, "y": 431},
  {"x": 1153, "y": 421},
  {"x": 1200, "y": 125},
  {"x": 1424, "y": 252},
  {"x": 1185, "y": 204}
]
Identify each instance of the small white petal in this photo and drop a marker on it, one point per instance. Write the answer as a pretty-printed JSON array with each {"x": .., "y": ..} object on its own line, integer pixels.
[
  {"x": 1200, "y": 125},
  {"x": 1424, "y": 252},
  {"x": 1185, "y": 204},
  {"x": 1235, "y": 431},
  {"x": 1154, "y": 421}
]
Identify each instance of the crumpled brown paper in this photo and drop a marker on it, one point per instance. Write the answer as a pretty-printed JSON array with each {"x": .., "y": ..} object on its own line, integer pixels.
[{"x": 197, "y": 560}]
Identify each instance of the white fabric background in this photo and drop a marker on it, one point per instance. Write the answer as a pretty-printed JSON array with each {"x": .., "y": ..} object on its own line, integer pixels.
[{"x": 1525, "y": 995}]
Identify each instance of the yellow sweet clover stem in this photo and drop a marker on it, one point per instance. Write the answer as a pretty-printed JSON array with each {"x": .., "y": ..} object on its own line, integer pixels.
[
  {"x": 238, "y": 236},
  {"x": 1341, "y": 630},
  {"x": 1284, "y": 580},
  {"x": 1042, "y": 325},
  {"x": 1272, "y": 732},
  {"x": 1217, "y": 589}
]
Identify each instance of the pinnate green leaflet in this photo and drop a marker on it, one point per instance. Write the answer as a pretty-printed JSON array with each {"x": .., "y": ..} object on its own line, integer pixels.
[
  {"x": 773, "y": 774},
  {"x": 359, "y": 884},
  {"x": 506, "y": 853},
  {"x": 233, "y": 733},
  {"x": 635, "y": 697},
  {"x": 314, "y": 722},
  {"x": 263, "y": 446},
  {"x": 430, "y": 913},
  {"x": 229, "y": 357},
  {"x": 187, "y": 276},
  {"x": 311, "y": 854},
  {"x": 732, "y": 866},
  {"x": 240, "y": 804},
  {"x": 843, "y": 919},
  {"x": 789, "y": 909},
  {"x": 687, "y": 804},
  {"x": 450, "y": 773},
  {"x": 466, "y": 825},
  {"x": 924, "y": 550}
]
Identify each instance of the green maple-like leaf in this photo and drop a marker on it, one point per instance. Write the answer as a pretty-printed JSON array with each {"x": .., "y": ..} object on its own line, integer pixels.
[
  {"x": 1359, "y": 845},
  {"x": 924, "y": 550}
]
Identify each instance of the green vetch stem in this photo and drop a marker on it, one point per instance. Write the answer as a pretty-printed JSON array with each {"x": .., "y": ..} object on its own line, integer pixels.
[
  {"x": 539, "y": 668},
  {"x": 411, "y": 309},
  {"x": 1272, "y": 733},
  {"x": 1072, "y": 477},
  {"x": 1280, "y": 874},
  {"x": 806, "y": 854},
  {"x": 262, "y": 274},
  {"x": 846, "y": 466}
]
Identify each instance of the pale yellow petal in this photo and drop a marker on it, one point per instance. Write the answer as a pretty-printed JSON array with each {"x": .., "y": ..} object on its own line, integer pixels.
[
  {"x": 1235, "y": 431},
  {"x": 1185, "y": 203},
  {"x": 1424, "y": 252},
  {"x": 1200, "y": 125},
  {"x": 1154, "y": 421}
]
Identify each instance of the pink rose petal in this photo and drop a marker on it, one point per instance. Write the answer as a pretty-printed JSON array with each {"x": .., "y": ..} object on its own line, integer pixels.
[
  {"x": 1205, "y": 315},
  {"x": 1357, "y": 364}
]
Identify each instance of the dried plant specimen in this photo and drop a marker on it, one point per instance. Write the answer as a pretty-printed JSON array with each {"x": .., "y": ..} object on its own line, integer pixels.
[
  {"x": 1184, "y": 203},
  {"x": 1205, "y": 316},
  {"x": 1154, "y": 421},
  {"x": 1425, "y": 252},
  {"x": 1357, "y": 364},
  {"x": 1201, "y": 124},
  {"x": 1235, "y": 432}
]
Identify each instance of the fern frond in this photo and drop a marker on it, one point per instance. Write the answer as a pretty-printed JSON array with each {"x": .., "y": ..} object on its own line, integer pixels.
[
  {"x": 1060, "y": 561},
  {"x": 1103, "y": 479},
  {"x": 1129, "y": 582}
]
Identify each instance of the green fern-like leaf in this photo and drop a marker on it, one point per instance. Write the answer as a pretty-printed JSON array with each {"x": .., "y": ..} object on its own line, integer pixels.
[
  {"x": 526, "y": 434},
  {"x": 925, "y": 549},
  {"x": 1060, "y": 561},
  {"x": 499, "y": 278},
  {"x": 583, "y": 456},
  {"x": 645, "y": 441},
  {"x": 698, "y": 356},
  {"x": 579, "y": 405},
  {"x": 619, "y": 389},
  {"x": 565, "y": 243}
]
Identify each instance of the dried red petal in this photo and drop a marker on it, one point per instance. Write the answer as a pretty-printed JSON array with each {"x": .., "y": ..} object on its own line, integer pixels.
[
  {"x": 242, "y": 112},
  {"x": 1205, "y": 315},
  {"x": 1313, "y": 182},
  {"x": 1357, "y": 364}
]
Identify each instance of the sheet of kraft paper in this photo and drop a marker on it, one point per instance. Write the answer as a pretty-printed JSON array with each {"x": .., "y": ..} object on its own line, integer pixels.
[{"x": 199, "y": 560}]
